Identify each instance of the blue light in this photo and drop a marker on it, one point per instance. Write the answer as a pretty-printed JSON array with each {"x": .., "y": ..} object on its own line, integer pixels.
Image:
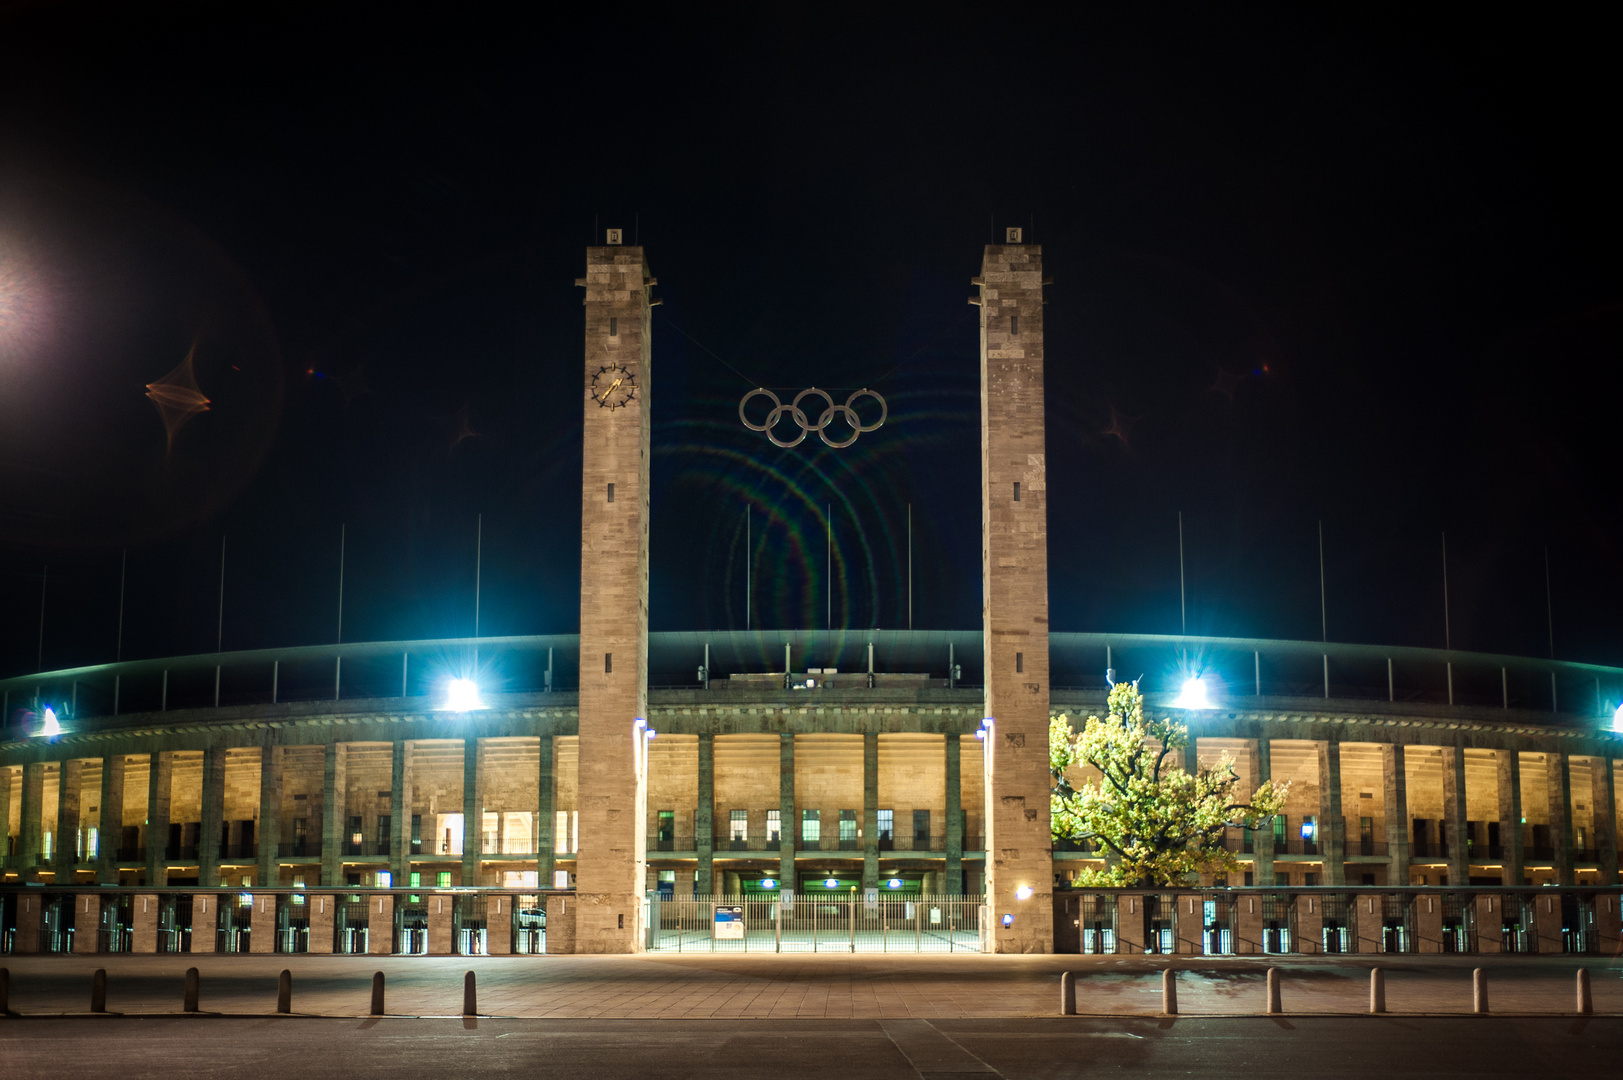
[
  {"x": 1307, "y": 830},
  {"x": 1193, "y": 695},
  {"x": 769, "y": 883},
  {"x": 50, "y": 727},
  {"x": 894, "y": 883},
  {"x": 462, "y": 695},
  {"x": 831, "y": 883},
  {"x": 1008, "y": 920}
]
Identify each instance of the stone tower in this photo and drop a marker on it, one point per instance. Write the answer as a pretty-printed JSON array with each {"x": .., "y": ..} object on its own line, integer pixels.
[
  {"x": 610, "y": 879},
  {"x": 1014, "y": 567}
]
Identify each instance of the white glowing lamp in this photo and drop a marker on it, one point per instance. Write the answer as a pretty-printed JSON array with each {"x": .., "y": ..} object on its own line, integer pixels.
[
  {"x": 51, "y": 726},
  {"x": 462, "y": 695},
  {"x": 1193, "y": 695},
  {"x": 1617, "y": 720}
]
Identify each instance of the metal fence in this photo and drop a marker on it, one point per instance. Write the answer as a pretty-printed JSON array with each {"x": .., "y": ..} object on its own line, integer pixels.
[{"x": 810, "y": 923}]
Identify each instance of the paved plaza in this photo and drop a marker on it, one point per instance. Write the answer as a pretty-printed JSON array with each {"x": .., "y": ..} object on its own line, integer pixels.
[{"x": 819, "y": 986}]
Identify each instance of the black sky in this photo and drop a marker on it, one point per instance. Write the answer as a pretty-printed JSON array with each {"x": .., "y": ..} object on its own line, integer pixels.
[{"x": 1343, "y": 266}]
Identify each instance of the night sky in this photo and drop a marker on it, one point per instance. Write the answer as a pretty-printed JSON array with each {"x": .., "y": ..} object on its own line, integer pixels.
[{"x": 1344, "y": 267}]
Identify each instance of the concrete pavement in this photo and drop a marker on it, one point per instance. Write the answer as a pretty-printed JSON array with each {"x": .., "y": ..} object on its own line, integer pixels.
[{"x": 804, "y": 987}]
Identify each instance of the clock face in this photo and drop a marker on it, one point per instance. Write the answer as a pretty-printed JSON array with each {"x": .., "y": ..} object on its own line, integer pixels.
[{"x": 613, "y": 386}]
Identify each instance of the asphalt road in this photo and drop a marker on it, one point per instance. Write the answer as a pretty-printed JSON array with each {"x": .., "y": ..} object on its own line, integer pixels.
[{"x": 179, "y": 1048}]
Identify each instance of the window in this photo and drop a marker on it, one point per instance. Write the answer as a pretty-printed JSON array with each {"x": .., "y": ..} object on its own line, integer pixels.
[
  {"x": 560, "y": 879},
  {"x": 1019, "y": 663},
  {"x": 811, "y": 825},
  {"x": 1282, "y": 877},
  {"x": 385, "y": 827},
  {"x": 848, "y": 826},
  {"x": 1310, "y": 878},
  {"x": 1014, "y": 324},
  {"x": 299, "y": 827},
  {"x": 443, "y": 880},
  {"x": 608, "y": 663},
  {"x": 1281, "y": 823},
  {"x": 921, "y": 827},
  {"x": 416, "y": 832},
  {"x": 614, "y": 326},
  {"x": 738, "y": 824},
  {"x": 611, "y": 493},
  {"x": 667, "y": 826},
  {"x": 1017, "y": 491},
  {"x": 774, "y": 827},
  {"x": 887, "y": 824},
  {"x": 416, "y": 878}
]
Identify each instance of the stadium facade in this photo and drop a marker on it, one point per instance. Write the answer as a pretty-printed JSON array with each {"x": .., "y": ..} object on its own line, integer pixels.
[{"x": 604, "y": 780}]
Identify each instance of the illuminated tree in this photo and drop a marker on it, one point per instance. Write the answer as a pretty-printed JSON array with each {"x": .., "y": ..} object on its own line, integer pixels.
[{"x": 1156, "y": 823}]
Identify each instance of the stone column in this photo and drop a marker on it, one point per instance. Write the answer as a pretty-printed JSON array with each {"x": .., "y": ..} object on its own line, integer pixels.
[
  {"x": 1490, "y": 923},
  {"x": 1262, "y": 838},
  {"x": 1558, "y": 787},
  {"x": 380, "y": 923},
  {"x": 69, "y": 783},
  {"x": 212, "y": 824},
  {"x": 870, "y": 810},
  {"x": 1456, "y": 821},
  {"x": 87, "y": 921},
  {"x": 1395, "y": 782},
  {"x": 954, "y": 885},
  {"x": 334, "y": 790},
  {"x": 160, "y": 787},
  {"x": 1604, "y": 786},
  {"x": 269, "y": 833},
  {"x": 5, "y": 816},
  {"x": 144, "y": 924},
  {"x": 1014, "y": 553},
  {"x": 320, "y": 912},
  {"x": 611, "y": 867},
  {"x": 1428, "y": 922},
  {"x": 473, "y": 813},
  {"x": 401, "y": 800},
  {"x": 787, "y": 825},
  {"x": 1510, "y": 815},
  {"x": 499, "y": 925},
  {"x": 262, "y": 923},
  {"x": 439, "y": 921},
  {"x": 1332, "y": 827},
  {"x": 205, "y": 921},
  {"x": 704, "y": 817},
  {"x": 32, "y": 837},
  {"x": 545, "y": 802},
  {"x": 1309, "y": 924}
]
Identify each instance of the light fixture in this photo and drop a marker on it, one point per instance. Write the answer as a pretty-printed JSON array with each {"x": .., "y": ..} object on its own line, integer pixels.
[
  {"x": 50, "y": 727},
  {"x": 1193, "y": 695},
  {"x": 650, "y": 733},
  {"x": 1023, "y": 893},
  {"x": 1008, "y": 920},
  {"x": 894, "y": 883},
  {"x": 831, "y": 883},
  {"x": 462, "y": 695},
  {"x": 1617, "y": 720},
  {"x": 769, "y": 883}
]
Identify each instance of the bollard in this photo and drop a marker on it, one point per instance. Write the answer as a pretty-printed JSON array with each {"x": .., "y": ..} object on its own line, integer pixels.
[
  {"x": 1479, "y": 991},
  {"x": 1067, "y": 993},
  {"x": 191, "y": 990},
  {"x": 98, "y": 991},
  {"x": 1586, "y": 1004},
  {"x": 1169, "y": 992},
  {"x": 1273, "y": 991},
  {"x": 377, "y": 993},
  {"x": 5, "y": 991},
  {"x": 284, "y": 991},
  {"x": 1377, "y": 990},
  {"x": 470, "y": 996}
]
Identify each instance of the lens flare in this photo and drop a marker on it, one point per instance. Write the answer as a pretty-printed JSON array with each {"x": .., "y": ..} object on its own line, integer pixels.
[{"x": 1194, "y": 695}]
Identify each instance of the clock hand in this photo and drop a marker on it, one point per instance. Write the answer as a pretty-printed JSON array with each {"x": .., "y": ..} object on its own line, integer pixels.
[{"x": 610, "y": 390}]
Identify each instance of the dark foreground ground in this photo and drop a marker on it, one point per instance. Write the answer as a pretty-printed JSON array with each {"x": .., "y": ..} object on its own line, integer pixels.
[{"x": 408, "y": 1048}]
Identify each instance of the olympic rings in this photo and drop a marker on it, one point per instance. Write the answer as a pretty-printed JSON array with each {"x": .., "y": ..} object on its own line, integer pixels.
[{"x": 798, "y": 415}]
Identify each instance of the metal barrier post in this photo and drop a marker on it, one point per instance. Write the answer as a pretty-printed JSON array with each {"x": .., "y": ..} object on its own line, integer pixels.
[
  {"x": 1479, "y": 991},
  {"x": 284, "y": 991},
  {"x": 1377, "y": 990},
  {"x": 192, "y": 988},
  {"x": 1067, "y": 994},
  {"x": 98, "y": 991},
  {"x": 377, "y": 993},
  {"x": 470, "y": 996},
  {"x": 1169, "y": 992},
  {"x": 1273, "y": 991},
  {"x": 1586, "y": 1004}
]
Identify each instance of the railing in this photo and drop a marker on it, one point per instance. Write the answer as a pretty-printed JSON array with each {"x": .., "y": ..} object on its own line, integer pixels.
[
  {"x": 1236, "y": 667},
  {"x": 1429, "y": 849},
  {"x": 300, "y": 849},
  {"x": 180, "y": 852},
  {"x": 672, "y": 843},
  {"x": 234, "y": 852},
  {"x": 818, "y": 923},
  {"x": 367, "y": 848}
]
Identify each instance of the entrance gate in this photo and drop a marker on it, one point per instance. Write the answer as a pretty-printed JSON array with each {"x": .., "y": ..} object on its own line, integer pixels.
[{"x": 920, "y": 924}]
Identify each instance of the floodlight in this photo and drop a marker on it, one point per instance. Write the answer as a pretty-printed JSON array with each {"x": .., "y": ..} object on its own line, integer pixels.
[
  {"x": 1023, "y": 893},
  {"x": 1008, "y": 920},
  {"x": 650, "y": 733},
  {"x": 830, "y": 883},
  {"x": 1193, "y": 695},
  {"x": 894, "y": 883},
  {"x": 462, "y": 695},
  {"x": 1617, "y": 720},
  {"x": 50, "y": 726},
  {"x": 769, "y": 883}
]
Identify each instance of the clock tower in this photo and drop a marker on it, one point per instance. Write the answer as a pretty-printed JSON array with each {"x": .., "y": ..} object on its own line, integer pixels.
[{"x": 612, "y": 862}]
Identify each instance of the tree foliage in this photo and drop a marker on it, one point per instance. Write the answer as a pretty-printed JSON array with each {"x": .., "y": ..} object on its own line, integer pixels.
[{"x": 1155, "y": 823}]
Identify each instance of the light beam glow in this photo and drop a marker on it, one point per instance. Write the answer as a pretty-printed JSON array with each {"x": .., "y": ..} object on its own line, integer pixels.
[{"x": 50, "y": 727}]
